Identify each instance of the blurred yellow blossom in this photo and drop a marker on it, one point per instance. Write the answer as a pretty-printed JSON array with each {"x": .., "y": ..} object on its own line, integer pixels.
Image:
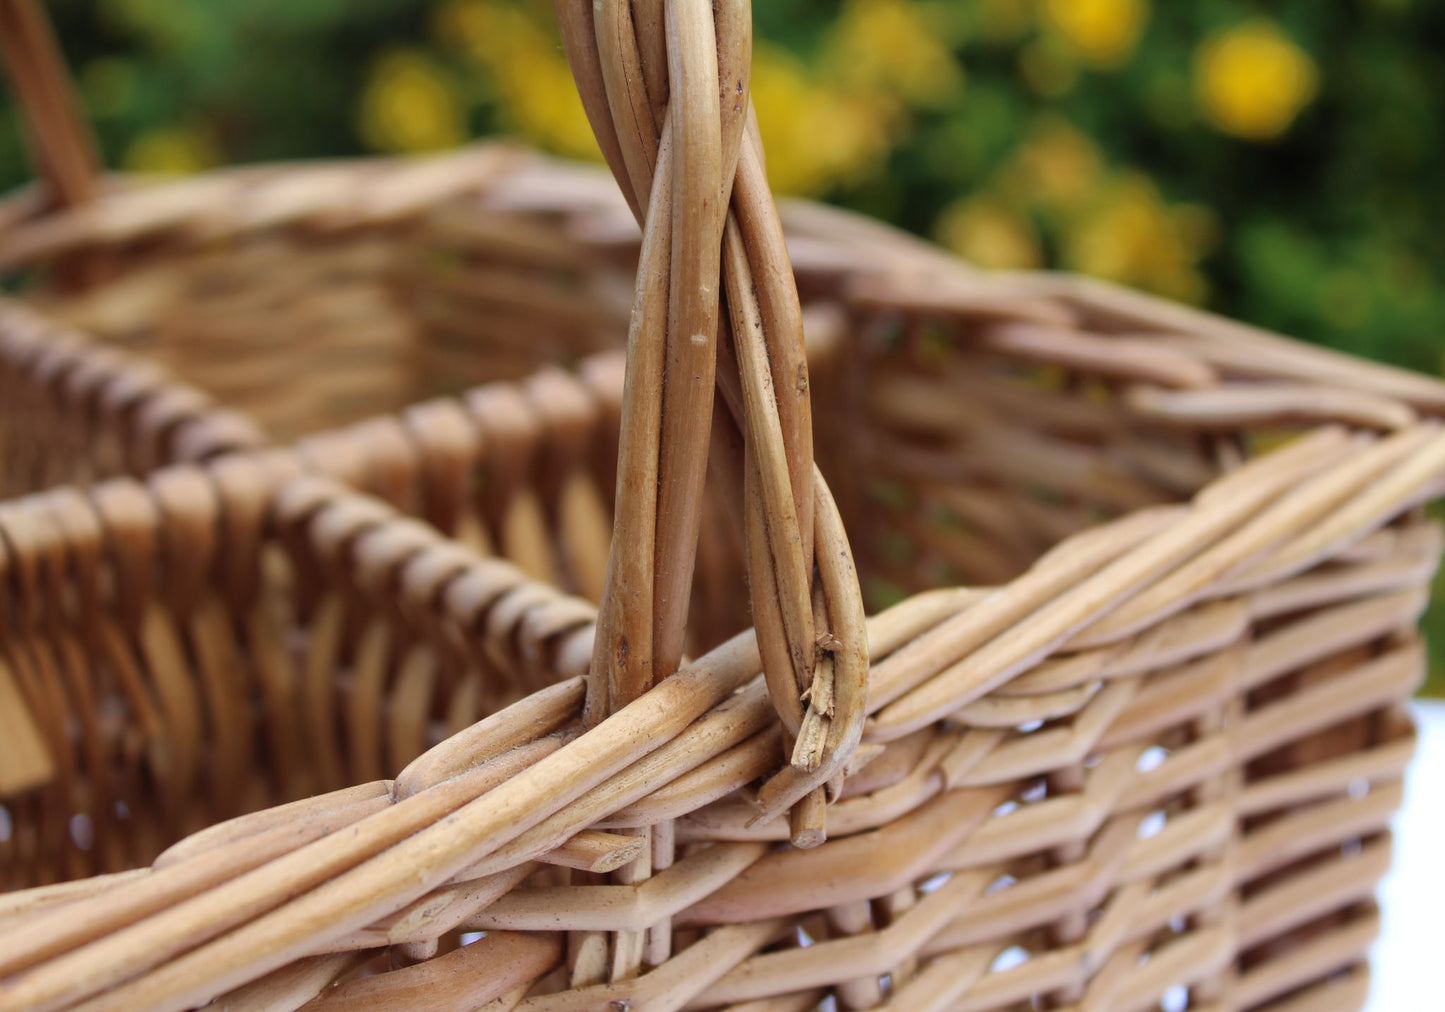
[
  {"x": 989, "y": 234},
  {"x": 520, "y": 52},
  {"x": 539, "y": 96},
  {"x": 1103, "y": 31},
  {"x": 814, "y": 136},
  {"x": 408, "y": 103},
  {"x": 1252, "y": 80},
  {"x": 465, "y": 24},
  {"x": 1132, "y": 237},
  {"x": 172, "y": 151},
  {"x": 1056, "y": 164},
  {"x": 891, "y": 47}
]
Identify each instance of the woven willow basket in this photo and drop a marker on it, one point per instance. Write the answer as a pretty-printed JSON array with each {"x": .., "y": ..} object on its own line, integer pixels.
[{"x": 1141, "y": 750}]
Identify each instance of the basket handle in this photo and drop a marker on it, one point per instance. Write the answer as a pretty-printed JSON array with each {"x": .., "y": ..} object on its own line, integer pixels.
[
  {"x": 62, "y": 147},
  {"x": 665, "y": 87}
]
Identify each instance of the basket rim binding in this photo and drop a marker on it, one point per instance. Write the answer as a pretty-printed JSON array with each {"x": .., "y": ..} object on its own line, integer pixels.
[
  {"x": 121, "y": 391},
  {"x": 153, "y": 417},
  {"x": 867, "y": 263}
]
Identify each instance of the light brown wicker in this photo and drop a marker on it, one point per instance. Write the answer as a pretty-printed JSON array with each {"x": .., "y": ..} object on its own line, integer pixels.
[
  {"x": 221, "y": 284},
  {"x": 305, "y": 296},
  {"x": 1143, "y": 748}
]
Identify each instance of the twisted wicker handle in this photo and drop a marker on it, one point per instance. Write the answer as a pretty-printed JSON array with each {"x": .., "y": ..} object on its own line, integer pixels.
[
  {"x": 665, "y": 86},
  {"x": 61, "y": 145}
]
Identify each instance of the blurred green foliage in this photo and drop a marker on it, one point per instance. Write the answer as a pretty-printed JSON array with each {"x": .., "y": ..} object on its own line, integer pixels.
[{"x": 1276, "y": 161}]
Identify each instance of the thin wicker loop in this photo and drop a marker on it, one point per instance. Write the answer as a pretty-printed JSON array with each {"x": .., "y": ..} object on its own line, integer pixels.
[{"x": 683, "y": 148}]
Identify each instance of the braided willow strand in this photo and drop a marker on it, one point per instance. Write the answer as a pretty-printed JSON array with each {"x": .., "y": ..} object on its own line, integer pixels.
[
  {"x": 667, "y": 401},
  {"x": 674, "y": 143},
  {"x": 668, "y": 157}
]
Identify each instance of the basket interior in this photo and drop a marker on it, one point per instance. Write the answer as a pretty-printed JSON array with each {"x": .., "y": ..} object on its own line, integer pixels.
[{"x": 311, "y": 296}]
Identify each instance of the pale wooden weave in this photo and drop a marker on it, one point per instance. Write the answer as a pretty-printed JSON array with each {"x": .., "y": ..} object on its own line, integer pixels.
[
  {"x": 1142, "y": 748},
  {"x": 462, "y": 268},
  {"x": 1213, "y": 789},
  {"x": 313, "y": 295}
]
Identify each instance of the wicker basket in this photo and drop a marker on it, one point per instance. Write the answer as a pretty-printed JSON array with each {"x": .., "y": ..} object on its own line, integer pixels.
[{"x": 1143, "y": 750}]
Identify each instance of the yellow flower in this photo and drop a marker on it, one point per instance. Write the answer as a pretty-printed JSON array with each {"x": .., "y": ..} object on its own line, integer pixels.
[
  {"x": 171, "y": 151},
  {"x": 891, "y": 46},
  {"x": 1252, "y": 80},
  {"x": 1103, "y": 31},
  {"x": 989, "y": 234},
  {"x": 1133, "y": 238},
  {"x": 465, "y": 24},
  {"x": 521, "y": 55},
  {"x": 814, "y": 136},
  {"x": 540, "y": 96},
  {"x": 409, "y": 104},
  {"x": 1057, "y": 165}
]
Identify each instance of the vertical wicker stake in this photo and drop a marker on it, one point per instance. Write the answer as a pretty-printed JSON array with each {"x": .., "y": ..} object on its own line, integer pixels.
[
  {"x": 62, "y": 147},
  {"x": 665, "y": 86}
]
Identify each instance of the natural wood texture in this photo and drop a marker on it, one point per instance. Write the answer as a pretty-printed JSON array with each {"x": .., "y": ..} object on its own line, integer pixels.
[
  {"x": 61, "y": 146},
  {"x": 1144, "y": 588},
  {"x": 1310, "y": 669}
]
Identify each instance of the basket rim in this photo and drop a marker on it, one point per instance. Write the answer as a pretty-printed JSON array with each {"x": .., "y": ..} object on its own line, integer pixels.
[{"x": 867, "y": 264}]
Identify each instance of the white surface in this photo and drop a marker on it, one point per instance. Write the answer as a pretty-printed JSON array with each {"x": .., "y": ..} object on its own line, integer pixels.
[{"x": 1409, "y": 958}]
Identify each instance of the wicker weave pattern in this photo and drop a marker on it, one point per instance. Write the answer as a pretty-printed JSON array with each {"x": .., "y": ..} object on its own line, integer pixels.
[
  {"x": 1267, "y": 699},
  {"x": 313, "y": 296},
  {"x": 72, "y": 411},
  {"x": 1194, "y": 771},
  {"x": 1263, "y": 678},
  {"x": 1144, "y": 749},
  {"x": 393, "y": 282}
]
